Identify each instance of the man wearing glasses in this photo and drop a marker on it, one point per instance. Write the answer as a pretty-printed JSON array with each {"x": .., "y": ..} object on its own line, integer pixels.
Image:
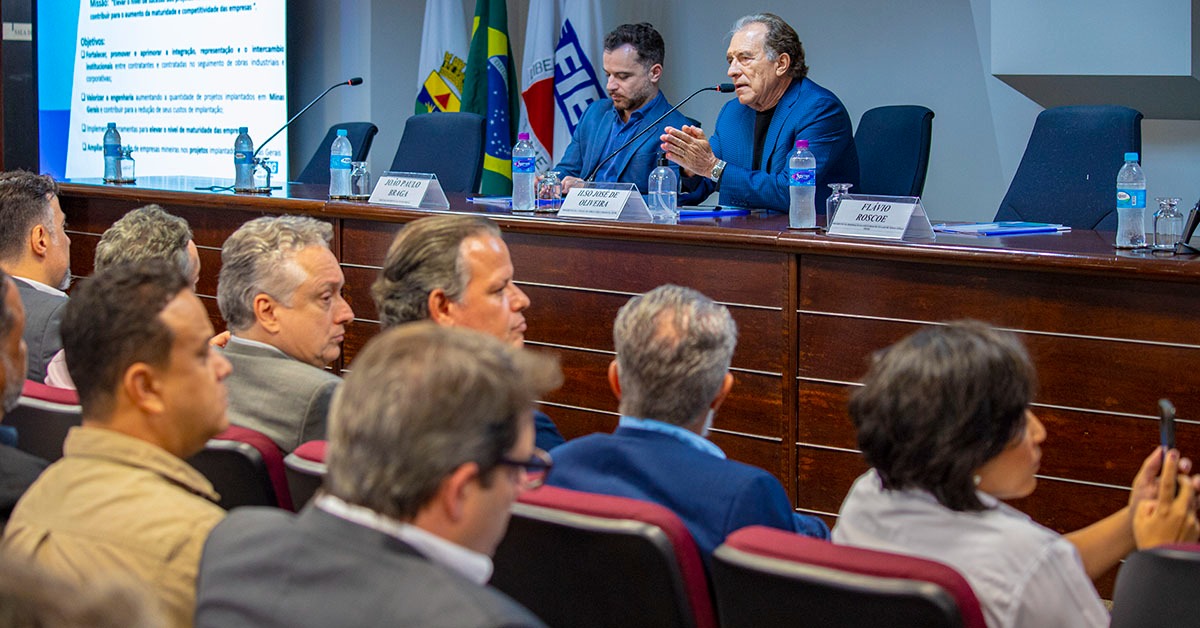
[
  {"x": 674, "y": 346},
  {"x": 431, "y": 441}
]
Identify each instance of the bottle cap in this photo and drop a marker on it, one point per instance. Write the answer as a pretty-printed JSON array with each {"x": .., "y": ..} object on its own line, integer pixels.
[
  {"x": 242, "y": 130},
  {"x": 522, "y": 137},
  {"x": 341, "y": 132},
  {"x": 662, "y": 159},
  {"x": 1131, "y": 156},
  {"x": 801, "y": 143},
  {"x": 112, "y": 125}
]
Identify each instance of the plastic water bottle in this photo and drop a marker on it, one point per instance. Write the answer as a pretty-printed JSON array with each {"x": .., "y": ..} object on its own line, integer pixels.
[
  {"x": 524, "y": 168},
  {"x": 663, "y": 189},
  {"x": 112, "y": 153},
  {"x": 1131, "y": 204},
  {"x": 340, "y": 155},
  {"x": 243, "y": 167},
  {"x": 802, "y": 184}
]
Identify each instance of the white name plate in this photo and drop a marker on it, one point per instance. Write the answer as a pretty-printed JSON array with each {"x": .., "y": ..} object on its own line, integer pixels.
[
  {"x": 411, "y": 190},
  {"x": 881, "y": 217},
  {"x": 594, "y": 203}
]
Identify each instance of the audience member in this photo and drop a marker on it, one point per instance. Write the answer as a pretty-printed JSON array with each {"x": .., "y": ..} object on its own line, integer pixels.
[
  {"x": 943, "y": 418},
  {"x": 456, "y": 271},
  {"x": 280, "y": 291},
  {"x": 431, "y": 441},
  {"x": 777, "y": 104},
  {"x": 633, "y": 62},
  {"x": 142, "y": 234},
  {"x": 122, "y": 502},
  {"x": 36, "y": 251},
  {"x": 671, "y": 374},
  {"x": 17, "y": 469},
  {"x": 30, "y": 597}
]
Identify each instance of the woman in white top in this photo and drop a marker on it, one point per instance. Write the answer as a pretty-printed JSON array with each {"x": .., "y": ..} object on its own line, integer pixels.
[{"x": 943, "y": 419}]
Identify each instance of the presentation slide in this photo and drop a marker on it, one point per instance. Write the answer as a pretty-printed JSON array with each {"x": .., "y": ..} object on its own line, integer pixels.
[{"x": 178, "y": 77}]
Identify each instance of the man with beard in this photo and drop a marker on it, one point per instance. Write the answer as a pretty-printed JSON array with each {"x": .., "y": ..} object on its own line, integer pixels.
[
  {"x": 633, "y": 61},
  {"x": 17, "y": 469},
  {"x": 36, "y": 251}
]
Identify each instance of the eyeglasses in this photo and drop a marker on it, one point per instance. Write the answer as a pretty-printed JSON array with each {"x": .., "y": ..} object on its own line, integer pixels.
[{"x": 534, "y": 470}]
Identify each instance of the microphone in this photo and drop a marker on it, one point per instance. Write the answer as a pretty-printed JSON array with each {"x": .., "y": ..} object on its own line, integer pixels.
[
  {"x": 724, "y": 88},
  {"x": 354, "y": 81}
]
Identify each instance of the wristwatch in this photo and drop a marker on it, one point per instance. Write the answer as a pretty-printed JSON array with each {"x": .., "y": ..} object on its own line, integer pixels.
[{"x": 715, "y": 175}]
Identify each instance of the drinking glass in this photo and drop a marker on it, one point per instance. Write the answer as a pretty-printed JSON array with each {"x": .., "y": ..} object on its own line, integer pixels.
[{"x": 360, "y": 180}]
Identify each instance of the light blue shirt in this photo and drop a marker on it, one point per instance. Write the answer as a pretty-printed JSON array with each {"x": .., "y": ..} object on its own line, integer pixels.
[{"x": 680, "y": 434}]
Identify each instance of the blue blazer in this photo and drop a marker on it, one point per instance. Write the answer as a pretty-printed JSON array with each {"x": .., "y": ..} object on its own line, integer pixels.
[
  {"x": 807, "y": 111},
  {"x": 713, "y": 496},
  {"x": 635, "y": 163}
]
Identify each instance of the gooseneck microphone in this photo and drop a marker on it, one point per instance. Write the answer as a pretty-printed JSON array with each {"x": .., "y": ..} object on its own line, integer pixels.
[
  {"x": 724, "y": 88},
  {"x": 354, "y": 81}
]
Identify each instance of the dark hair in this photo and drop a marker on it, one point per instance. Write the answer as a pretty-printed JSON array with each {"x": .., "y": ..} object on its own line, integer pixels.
[
  {"x": 422, "y": 401},
  {"x": 645, "y": 40},
  {"x": 112, "y": 322},
  {"x": 781, "y": 39},
  {"x": 937, "y": 405},
  {"x": 24, "y": 202}
]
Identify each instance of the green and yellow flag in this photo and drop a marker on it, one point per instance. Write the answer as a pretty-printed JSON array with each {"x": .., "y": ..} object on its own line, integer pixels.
[{"x": 491, "y": 90}]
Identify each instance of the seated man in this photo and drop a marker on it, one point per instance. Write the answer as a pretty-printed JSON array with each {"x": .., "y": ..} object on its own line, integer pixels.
[
  {"x": 36, "y": 251},
  {"x": 674, "y": 346},
  {"x": 142, "y": 234},
  {"x": 430, "y": 443},
  {"x": 122, "y": 503},
  {"x": 17, "y": 469},
  {"x": 633, "y": 61},
  {"x": 776, "y": 105},
  {"x": 280, "y": 291},
  {"x": 456, "y": 271}
]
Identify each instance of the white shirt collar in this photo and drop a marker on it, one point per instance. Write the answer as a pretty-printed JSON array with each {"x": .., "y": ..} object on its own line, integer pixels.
[
  {"x": 41, "y": 287},
  {"x": 468, "y": 563}
]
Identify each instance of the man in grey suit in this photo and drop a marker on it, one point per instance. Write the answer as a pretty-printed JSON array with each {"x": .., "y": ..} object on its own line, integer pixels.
[
  {"x": 280, "y": 292},
  {"x": 431, "y": 441},
  {"x": 36, "y": 251}
]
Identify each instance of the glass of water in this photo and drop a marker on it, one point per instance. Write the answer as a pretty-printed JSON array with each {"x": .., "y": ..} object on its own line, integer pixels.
[{"x": 360, "y": 180}]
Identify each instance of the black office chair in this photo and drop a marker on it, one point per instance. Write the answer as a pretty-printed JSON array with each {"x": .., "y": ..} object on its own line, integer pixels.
[
  {"x": 42, "y": 418},
  {"x": 448, "y": 144},
  {"x": 246, "y": 469},
  {"x": 1068, "y": 174},
  {"x": 361, "y": 134},
  {"x": 893, "y": 150},
  {"x": 1157, "y": 587}
]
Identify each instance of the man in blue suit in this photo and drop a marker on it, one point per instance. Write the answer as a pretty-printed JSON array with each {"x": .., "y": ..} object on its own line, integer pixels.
[
  {"x": 747, "y": 157},
  {"x": 633, "y": 58},
  {"x": 674, "y": 346}
]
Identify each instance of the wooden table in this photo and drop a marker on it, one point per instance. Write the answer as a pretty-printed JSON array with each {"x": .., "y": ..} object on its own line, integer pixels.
[{"x": 1110, "y": 332}]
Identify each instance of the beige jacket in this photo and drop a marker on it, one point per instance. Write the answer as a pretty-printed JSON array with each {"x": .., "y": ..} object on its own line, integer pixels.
[{"x": 118, "y": 507}]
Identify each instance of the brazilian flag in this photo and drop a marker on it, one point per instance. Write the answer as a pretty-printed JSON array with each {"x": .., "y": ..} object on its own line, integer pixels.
[{"x": 491, "y": 90}]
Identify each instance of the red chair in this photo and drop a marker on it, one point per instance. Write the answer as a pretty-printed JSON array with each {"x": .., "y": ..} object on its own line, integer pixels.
[
  {"x": 245, "y": 467},
  {"x": 582, "y": 559},
  {"x": 305, "y": 470},
  {"x": 765, "y": 577},
  {"x": 43, "y": 417}
]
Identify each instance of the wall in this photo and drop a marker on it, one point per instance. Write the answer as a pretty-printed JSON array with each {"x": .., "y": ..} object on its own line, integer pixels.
[{"x": 930, "y": 52}]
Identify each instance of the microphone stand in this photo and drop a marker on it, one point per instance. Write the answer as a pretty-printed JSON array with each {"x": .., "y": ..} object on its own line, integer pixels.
[
  {"x": 723, "y": 88},
  {"x": 257, "y": 161}
]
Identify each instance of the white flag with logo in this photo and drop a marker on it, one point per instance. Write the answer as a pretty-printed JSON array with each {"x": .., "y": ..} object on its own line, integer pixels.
[
  {"x": 442, "y": 65},
  {"x": 578, "y": 68},
  {"x": 537, "y": 79}
]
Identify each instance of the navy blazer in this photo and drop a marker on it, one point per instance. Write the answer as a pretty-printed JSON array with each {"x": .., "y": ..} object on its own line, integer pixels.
[
  {"x": 635, "y": 163},
  {"x": 806, "y": 111},
  {"x": 713, "y": 496}
]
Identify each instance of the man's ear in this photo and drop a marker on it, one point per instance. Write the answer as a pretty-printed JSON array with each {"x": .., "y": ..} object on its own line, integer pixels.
[
  {"x": 39, "y": 240},
  {"x": 453, "y": 491},
  {"x": 783, "y": 64},
  {"x": 266, "y": 312},
  {"x": 143, "y": 388},
  {"x": 726, "y": 386},
  {"x": 441, "y": 308},
  {"x": 614, "y": 379},
  {"x": 655, "y": 73}
]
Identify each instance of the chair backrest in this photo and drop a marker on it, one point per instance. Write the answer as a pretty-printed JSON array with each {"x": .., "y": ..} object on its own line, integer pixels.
[
  {"x": 43, "y": 417},
  {"x": 448, "y": 144},
  {"x": 361, "y": 134},
  {"x": 893, "y": 150},
  {"x": 1157, "y": 587},
  {"x": 765, "y": 577},
  {"x": 305, "y": 468},
  {"x": 245, "y": 467},
  {"x": 579, "y": 559},
  {"x": 1068, "y": 174}
]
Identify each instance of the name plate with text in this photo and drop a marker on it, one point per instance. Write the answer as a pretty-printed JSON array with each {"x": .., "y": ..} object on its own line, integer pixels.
[
  {"x": 597, "y": 203},
  {"x": 412, "y": 190},
  {"x": 881, "y": 217}
]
